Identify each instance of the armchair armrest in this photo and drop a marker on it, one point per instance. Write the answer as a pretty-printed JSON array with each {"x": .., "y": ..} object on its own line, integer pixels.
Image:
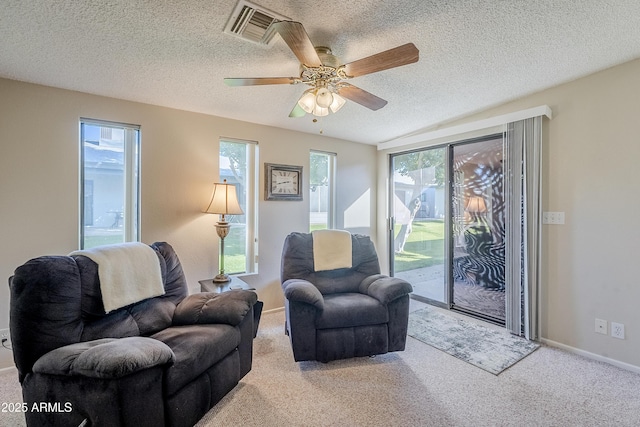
[
  {"x": 105, "y": 358},
  {"x": 208, "y": 307},
  {"x": 384, "y": 288},
  {"x": 303, "y": 291}
]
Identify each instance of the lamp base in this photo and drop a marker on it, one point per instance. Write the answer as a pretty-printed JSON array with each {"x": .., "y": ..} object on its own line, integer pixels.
[{"x": 221, "y": 278}]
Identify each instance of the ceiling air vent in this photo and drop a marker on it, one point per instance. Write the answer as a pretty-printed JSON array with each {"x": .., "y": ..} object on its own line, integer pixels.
[{"x": 251, "y": 22}]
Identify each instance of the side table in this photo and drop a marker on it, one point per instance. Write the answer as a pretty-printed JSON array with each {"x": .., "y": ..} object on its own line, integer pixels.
[{"x": 208, "y": 285}]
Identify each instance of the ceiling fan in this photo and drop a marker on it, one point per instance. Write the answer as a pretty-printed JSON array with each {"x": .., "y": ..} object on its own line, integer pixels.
[{"x": 321, "y": 70}]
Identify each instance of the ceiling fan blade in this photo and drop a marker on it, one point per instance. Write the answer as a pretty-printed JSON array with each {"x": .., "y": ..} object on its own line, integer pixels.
[
  {"x": 294, "y": 34},
  {"x": 396, "y": 57},
  {"x": 297, "y": 111},
  {"x": 252, "y": 81},
  {"x": 361, "y": 96}
]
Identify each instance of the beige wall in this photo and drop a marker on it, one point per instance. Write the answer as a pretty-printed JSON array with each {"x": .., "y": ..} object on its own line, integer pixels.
[
  {"x": 591, "y": 153},
  {"x": 591, "y": 150},
  {"x": 39, "y": 160}
]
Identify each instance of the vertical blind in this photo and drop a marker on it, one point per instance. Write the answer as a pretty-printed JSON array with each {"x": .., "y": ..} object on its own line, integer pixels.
[{"x": 523, "y": 189}]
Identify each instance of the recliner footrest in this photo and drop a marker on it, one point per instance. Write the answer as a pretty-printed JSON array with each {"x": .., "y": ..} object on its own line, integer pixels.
[{"x": 105, "y": 358}]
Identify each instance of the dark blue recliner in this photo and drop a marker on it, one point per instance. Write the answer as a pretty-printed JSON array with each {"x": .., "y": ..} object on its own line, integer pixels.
[
  {"x": 344, "y": 312},
  {"x": 163, "y": 361}
]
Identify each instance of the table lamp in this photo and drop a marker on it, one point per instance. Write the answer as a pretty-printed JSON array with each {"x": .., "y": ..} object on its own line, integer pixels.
[
  {"x": 224, "y": 201},
  {"x": 476, "y": 207}
]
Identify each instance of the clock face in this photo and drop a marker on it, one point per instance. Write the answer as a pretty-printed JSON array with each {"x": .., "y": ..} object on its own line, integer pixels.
[{"x": 284, "y": 182}]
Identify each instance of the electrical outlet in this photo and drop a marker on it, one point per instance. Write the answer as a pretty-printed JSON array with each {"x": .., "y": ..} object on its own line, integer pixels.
[
  {"x": 601, "y": 326},
  {"x": 617, "y": 330},
  {"x": 5, "y": 338}
]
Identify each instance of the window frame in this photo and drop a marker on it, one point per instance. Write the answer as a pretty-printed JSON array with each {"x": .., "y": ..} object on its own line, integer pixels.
[
  {"x": 251, "y": 202},
  {"x": 331, "y": 186},
  {"x": 132, "y": 142}
]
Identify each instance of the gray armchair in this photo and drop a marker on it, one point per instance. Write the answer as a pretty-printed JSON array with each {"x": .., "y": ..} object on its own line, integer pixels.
[{"x": 343, "y": 312}]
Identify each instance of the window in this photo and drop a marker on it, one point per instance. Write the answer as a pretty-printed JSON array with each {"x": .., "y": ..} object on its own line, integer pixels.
[
  {"x": 238, "y": 164},
  {"x": 322, "y": 167},
  {"x": 110, "y": 159}
]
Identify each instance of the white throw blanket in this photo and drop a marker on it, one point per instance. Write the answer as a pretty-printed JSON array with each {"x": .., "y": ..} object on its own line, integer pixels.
[
  {"x": 128, "y": 273},
  {"x": 331, "y": 249}
]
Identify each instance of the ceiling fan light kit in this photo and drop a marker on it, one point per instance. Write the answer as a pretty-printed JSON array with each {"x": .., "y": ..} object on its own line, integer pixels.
[
  {"x": 319, "y": 101},
  {"x": 321, "y": 70}
]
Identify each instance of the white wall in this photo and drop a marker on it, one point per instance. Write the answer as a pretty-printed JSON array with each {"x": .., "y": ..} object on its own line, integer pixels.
[
  {"x": 39, "y": 161},
  {"x": 591, "y": 153}
]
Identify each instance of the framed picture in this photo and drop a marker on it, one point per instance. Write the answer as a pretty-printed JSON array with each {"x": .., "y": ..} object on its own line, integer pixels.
[{"x": 282, "y": 182}]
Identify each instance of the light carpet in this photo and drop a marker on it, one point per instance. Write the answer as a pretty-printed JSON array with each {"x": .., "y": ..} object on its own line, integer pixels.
[
  {"x": 421, "y": 386},
  {"x": 489, "y": 349}
]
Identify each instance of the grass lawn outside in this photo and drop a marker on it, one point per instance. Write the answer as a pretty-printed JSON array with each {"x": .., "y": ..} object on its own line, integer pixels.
[
  {"x": 100, "y": 237},
  {"x": 424, "y": 246},
  {"x": 235, "y": 259}
]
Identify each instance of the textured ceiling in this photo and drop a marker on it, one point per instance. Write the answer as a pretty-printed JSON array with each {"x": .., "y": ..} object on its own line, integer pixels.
[{"x": 473, "y": 54}]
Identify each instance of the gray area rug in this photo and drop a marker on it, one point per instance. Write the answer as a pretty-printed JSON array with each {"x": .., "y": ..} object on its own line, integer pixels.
[{"x": 488, "y": 349}]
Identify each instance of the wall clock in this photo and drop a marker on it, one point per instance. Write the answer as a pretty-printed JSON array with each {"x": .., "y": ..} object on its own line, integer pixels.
[{"x": 282, "y": 182}]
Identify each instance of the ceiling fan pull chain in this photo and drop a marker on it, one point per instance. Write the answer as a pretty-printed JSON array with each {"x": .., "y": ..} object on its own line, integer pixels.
[{"x": 318, "y": 120}]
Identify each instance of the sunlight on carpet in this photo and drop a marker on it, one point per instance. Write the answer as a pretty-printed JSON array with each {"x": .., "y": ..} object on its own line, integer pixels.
[{"x": 488, "y": 349}]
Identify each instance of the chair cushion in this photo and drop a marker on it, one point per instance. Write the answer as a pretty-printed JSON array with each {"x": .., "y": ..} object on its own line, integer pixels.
[
  {"x": 196, "y": 349},
  {"x": 345, "y": 310}
]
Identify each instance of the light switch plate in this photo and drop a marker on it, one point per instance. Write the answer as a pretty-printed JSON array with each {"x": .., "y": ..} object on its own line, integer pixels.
[{"x": 553, "y": 218}]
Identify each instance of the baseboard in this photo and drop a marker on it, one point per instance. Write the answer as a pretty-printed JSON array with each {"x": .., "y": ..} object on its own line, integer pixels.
[
  {"x": 10, "y": 369},
  {"x": 6, "y": 358},
  {"x": 273, "y": 310},
  {"x": 593, "y": 356}
]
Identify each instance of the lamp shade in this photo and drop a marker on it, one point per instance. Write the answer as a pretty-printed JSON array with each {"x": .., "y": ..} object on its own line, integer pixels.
[
  {"x": 320, "y": 111},
  {"x": 224, "y": 200},
  {"x": 337, "y": 103},
  {"x": 324, "y": 98},
  {"x": 308, "y": 101},
  {"x": 476, "y": 204}
]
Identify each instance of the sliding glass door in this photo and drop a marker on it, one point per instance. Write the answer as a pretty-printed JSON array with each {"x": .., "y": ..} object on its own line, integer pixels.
[
  {"x": 478, "y": 228},
  {"x": 448, "y": 225},
  {"x": 419, "y": 221}
]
